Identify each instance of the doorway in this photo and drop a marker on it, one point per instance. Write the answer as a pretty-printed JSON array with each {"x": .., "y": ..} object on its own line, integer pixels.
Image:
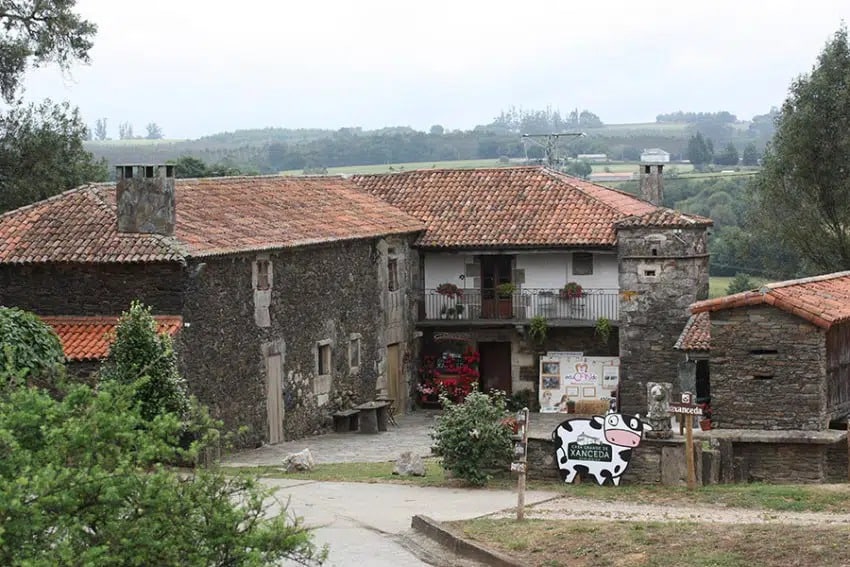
[
  {"x": 495, "y": 271},
  {"x": 274, "y": 398},
  {"x": 495, "y": 366}
]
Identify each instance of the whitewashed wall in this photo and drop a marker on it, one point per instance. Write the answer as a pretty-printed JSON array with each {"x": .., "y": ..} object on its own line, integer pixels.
[{"x": 552, "y": 271}]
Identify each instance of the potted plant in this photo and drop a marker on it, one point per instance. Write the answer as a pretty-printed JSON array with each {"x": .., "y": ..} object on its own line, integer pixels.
[
  {"x": 571, "y": 290},
  {"x": 537, "y": 330},
  {"x": 505, "y": 292},
  {"x": 603, "y": 329},
  {"x": 459, "y": 308},
  {"x": 705, "y": 419},
  {"x": 450, "y": 290}
]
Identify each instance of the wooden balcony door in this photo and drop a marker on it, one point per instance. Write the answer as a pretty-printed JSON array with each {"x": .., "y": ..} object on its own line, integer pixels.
[{"x": 496, "y": 270}]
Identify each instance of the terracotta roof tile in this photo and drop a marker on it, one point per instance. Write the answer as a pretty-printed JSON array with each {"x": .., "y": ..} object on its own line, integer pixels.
[
  {"x": 88, "y": 338},
  {"x": 507, "y": 206},
  {"x": 214, "y": 216},
  {"x": 663, "y": 217},
  {"x": 696, "y": 336},
  {"x": 821, "y": 300}
]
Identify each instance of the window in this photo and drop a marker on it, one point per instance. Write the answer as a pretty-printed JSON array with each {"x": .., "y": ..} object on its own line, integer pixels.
[
  {"x": 263, "y": 280},
  {"x": 392, "y": 274},
  {"x": 354, "y": 352},
  {"x": 324, "y": 359},
  {"x": 649, "y": 273},
  {"x": 582, "y": 264}
]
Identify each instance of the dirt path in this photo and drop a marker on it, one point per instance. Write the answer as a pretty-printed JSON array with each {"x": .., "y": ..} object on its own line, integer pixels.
[{"x": 571, "y": 508}]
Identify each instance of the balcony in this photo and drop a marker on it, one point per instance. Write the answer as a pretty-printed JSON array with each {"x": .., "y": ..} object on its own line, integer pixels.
[{"x": 475, "y": 306}]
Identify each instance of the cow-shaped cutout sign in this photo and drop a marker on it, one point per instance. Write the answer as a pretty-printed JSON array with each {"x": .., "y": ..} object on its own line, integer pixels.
[{"x": 599, "y": 445}]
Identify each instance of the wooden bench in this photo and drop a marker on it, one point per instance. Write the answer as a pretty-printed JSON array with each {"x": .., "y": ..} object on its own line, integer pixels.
[{"x": 346, "y": 420}]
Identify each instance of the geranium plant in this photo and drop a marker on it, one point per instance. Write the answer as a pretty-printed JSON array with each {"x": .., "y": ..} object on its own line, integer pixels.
[
  {"x": 571, "y": 290},
  {"x": 450, "y": 290}
]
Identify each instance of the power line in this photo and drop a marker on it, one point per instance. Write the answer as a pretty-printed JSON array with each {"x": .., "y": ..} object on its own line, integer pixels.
[{"x": 550, "y": 146}]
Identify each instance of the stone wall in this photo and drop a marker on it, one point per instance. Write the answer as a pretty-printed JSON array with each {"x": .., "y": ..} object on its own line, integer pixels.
[
  {"x": 662, "y": 271},
  {"x": 321, "y": 293},
  {"x": 83, "y": 289},
  {"x": 768, "y": 370}
]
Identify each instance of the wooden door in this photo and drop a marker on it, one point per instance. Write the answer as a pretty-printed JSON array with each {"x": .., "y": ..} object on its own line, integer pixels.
[
  {"x": 274, "y": 401},
  {"x": 395, "y": 386},
  {"x": 495, "y": 366},
  {"x": 496, "y": 270}
]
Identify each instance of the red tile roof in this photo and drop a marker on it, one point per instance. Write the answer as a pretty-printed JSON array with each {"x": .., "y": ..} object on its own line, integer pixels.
[
  {"x": 214, "y": 216},
  {"x": 528, "y": 206},
  {"x": 696, "y": 336},
  {"x": 88, "y": 338},
  {"x": 664, "y": 218},
  {"x": 821, "y": 300}
]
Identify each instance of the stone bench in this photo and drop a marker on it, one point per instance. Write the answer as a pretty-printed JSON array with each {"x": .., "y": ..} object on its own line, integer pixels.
[
  {"x": 346, "y": 420},
  {"x": 375, "y": 416}
]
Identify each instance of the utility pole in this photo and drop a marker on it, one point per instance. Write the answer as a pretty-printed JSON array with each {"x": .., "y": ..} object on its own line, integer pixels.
[{"x": 549, "y": 143}]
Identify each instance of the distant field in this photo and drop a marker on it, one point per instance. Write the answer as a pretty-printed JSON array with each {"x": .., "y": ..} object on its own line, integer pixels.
[
  {"x": 647, "y": 128},
  {"x": 386, "y": 168},
  {"x": 134, "y": 142},
  {"x": 717, "y": 284}
]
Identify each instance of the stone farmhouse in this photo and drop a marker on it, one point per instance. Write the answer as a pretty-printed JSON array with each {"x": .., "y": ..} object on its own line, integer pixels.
[
  {"x": 290, "y": 290},
  {"x": 511, "y": 238},
  {"x": 295, "y": 297}
]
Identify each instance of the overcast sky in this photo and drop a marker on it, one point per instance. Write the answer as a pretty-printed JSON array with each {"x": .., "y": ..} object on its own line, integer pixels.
[{"x": 198, "y": 67}]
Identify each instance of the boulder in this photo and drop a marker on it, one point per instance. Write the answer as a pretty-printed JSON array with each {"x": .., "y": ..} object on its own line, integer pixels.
[
  {"x": 409, "y": 464},
  {"x": 300, "y": 461}
]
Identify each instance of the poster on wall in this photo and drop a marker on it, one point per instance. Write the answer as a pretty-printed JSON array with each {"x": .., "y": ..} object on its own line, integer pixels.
[{"x": 567, "y": 378}]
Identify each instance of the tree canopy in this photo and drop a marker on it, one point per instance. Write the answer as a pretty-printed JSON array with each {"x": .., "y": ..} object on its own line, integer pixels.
[
  {"x": 35, "y": 32},
  {"x": 802, "y": 195}
]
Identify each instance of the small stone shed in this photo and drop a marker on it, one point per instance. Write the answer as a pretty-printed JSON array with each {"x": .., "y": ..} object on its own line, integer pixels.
[{"x": 780, "y": 355}]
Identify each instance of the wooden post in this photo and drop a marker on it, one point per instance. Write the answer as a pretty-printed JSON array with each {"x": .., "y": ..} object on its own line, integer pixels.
[
  {"x": 689, "y": 452},
  {"x": 522, "y": 465}
]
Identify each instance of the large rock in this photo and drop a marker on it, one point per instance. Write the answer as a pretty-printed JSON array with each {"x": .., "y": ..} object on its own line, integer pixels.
[
  {"x": 300, "y": 461},
  {"x": 409, "y": 464}
]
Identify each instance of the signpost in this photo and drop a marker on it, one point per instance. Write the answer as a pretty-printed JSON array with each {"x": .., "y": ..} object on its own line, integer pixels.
[
  {"x": 688, "y": 408},
  {"x": 520, "y": 460}
]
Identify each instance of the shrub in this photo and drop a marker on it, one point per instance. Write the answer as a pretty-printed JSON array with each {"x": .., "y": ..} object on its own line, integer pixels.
[
  {"x": 81, "y": 483},
  {"x": 138, "y": 355},
  {"x": 523, "y": 399},
  {"x": 741, "y": 282},
  {"x": 470, "y": 439},
  {"x": 28, "y": 347}
]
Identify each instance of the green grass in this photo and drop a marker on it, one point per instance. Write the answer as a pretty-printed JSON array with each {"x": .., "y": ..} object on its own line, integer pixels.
[
  {"x": 717, "y": 284},
  {"x": 385, "y": 168}
]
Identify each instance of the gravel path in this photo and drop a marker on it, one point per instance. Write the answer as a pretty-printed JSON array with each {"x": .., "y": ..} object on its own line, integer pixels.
[{"x": 570, "y": 508}]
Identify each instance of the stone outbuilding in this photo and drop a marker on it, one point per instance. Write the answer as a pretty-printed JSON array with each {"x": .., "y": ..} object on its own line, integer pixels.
[{"x": 780, "y": 355}]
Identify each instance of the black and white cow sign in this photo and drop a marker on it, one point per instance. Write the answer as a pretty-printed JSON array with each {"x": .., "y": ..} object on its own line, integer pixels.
[{"x": 600, "y": 445}]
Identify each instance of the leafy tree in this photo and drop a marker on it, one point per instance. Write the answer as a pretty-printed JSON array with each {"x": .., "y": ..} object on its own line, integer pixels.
[
  {"x": 28, "y": 347},
  {"x": 42, "y": 154},
  {"x": 805, "y": 182},
  {"x": 190, "y": 167},
  {"x": 750, "y": 155},
  {"x": 587, "y": 119},
  {"x": 100, "y": 129},
  {"x": 37, "y": 32},
  {"x": 140, "y": 356},
  {"x": 580, "y": 169},
  {"x": 437, "y": 130},
  {"x": 741, "y": 282},
  {"x": 700, "y": 150},
  {"x": 729, "y": 155},
  {"x": 154, "y": 131},
  {"x": 471, "y": 439},
  {"x": 81, "y": 483},
  {"x": 125, "y": 131}
]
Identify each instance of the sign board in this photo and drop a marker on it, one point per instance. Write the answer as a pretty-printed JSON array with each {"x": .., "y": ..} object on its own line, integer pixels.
[
  {"x": 600, "y": 445},
  {"x": 518, "y": 467},
  {"x": 572, "y": 377},
  {"x": 686, "y": 409}
]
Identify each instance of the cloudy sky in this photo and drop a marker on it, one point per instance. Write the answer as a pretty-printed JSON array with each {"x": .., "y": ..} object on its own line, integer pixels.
[{"x": 198, "y": 67}]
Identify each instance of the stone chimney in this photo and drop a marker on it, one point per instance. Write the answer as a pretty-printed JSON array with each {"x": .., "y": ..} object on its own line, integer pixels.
[
  {"x": 145, "y": 197},
  {"x": 652, "y": 183}
]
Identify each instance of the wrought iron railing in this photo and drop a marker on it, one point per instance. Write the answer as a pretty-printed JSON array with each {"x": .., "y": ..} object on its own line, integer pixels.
[{"x": 475, "y": 304}]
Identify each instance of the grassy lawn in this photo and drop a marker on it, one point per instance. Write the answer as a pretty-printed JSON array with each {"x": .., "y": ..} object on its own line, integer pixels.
[
  {"x": 774, "y": 497},
  {"x": 553, "y": 543},
  {"x": 385, "y": 168},
  {"x": 717, "y": 284}
]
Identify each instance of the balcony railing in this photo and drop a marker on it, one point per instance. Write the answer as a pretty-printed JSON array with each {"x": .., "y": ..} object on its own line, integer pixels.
[{"x": 473, "y": 304}]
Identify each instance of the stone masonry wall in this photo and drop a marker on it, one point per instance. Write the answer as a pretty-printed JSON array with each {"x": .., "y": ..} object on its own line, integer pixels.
[
  {"x": 662, "y": 271},
  {"x": 321, "y": 293},
  {"x": 82, "y": 289},
  {"x": 768, "y": 370}
]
